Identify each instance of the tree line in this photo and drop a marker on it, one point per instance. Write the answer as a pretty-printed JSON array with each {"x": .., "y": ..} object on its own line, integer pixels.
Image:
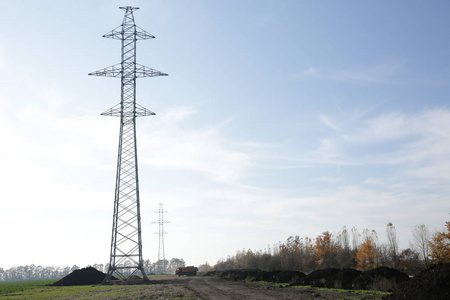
[
  {"x": 33, "y": 272},
  {"x": 346, "y": 249}
]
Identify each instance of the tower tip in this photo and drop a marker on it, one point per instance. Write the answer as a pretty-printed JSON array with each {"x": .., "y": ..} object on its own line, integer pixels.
[{"x": 127, "y": 8}]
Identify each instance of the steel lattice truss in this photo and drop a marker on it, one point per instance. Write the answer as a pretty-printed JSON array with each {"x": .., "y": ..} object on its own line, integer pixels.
[
  {"x": 126, "y": 245},
  {"x": 161, "y": 254}
]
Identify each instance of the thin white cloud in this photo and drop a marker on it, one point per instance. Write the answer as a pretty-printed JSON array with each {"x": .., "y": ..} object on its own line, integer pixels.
[
  {"x": 386, "y": 127},
  {"x": 376, "y": 74},
  {"x": 328, "y": 122},
  {"x": 327, "y": 149},
  {"x": 414, "y": 139},
  {"x": 373, "y": 181},
  {"x": 175, "y": 115},
  {"x": 2, "y": 57},
  {"x": 170, "y": 145},
  {"x": 390, "y": 138}
]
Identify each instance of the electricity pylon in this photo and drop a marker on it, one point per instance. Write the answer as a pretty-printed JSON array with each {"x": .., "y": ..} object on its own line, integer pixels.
[
  {"x": 126, "y": 245},
  {"x": 161, "y": 254}
]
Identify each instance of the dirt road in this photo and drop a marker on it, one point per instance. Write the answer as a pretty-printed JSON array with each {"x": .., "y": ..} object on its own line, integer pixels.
[
  {"x": 218, "y": 289},
  {"x": 214, "y": 288}
]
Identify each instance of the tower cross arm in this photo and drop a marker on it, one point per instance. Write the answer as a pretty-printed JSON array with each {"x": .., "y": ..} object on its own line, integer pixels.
[
  {"x": 141, "y": 34},
  {"x": 143, "y": 71},
  {"x": 116, "y": 71},
  {"x": 116, "y": 33},
  {"x": 117, "y": 111},
  {"x": 119, "y": 32},
  {"x": 112, "y": 71},
  {"x": 128, "y": 8}
]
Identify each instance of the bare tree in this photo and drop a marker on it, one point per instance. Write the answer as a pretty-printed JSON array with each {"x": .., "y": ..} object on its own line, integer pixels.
[
  {"x": 392, "y": 243},
  {"x": 420, "y": 239},
  {"x": 174, "y": 264},
  {"x": 346, "y": 253},
  {"x": 204, "y": 267},
  {"x": 344, "y": 238},
  {"x": 355, "y": 239}
]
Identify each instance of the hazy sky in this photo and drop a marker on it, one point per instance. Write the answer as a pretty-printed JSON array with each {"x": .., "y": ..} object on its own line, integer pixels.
[{"x": 278, "y": 118}]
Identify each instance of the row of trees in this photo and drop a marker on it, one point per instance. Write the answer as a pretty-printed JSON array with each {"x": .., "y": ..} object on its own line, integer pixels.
[
  {"x": 347, "y": 250},
  {"x": 33, "y": 272}
]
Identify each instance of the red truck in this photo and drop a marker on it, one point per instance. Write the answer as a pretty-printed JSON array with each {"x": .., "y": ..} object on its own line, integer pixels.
[{"x": 188, "y": 271}]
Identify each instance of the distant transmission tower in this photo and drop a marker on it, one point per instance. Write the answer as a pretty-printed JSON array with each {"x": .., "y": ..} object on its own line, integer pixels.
[
  {"x": 126, "y": 245},
  {"x": 161, "y": 232}
]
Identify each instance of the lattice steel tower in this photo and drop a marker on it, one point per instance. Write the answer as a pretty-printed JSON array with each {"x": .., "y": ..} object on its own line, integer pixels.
[
  {"x": 161, "y": 232},
  {"x": 126, "y": 244}
]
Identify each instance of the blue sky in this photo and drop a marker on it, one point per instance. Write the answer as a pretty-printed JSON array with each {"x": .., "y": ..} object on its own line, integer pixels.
[{"x": 277, "y": 118}]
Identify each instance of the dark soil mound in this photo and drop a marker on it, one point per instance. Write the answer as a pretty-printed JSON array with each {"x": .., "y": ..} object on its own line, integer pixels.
[
  {"x": 239, "y": 275},
  {"x": 267, "y": 276},
  {"x": 211, "y": 273},
  {"x": 287, "y": 276},
  {"x": 85, "y": 276},
  {"x": 258, "y": 275},
  {"x": 319, "y": 278},
  {"x": 380, "y": 279},
  {"x": 330, "y": 278},
  {"x": 430, "y": 284},
  {"x": 345, "y": 279}
]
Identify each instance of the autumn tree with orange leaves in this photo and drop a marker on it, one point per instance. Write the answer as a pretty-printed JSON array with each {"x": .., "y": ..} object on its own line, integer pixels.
[
  {"x": 327, "y": 250},
  {"x": 366, "y": 256},
  {"x": 440, "y": 246}
]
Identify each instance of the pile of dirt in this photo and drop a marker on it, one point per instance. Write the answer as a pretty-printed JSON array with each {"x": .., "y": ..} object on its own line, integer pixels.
[
  {"x": 275, "y": 276},
  {"x": 209, "y": 273},
  {"x": 345, "y": 278},
  {"x": 430, "y": 284},
  {"x": 380, "y": 279},
  {"x": 85, "y": 276},
  {"x": 288, "y": 276},
  {"x": 319, "y": 278},
  {"x": 330, "y": 278},
  {"x": 237, "y": 275},
  {"x": 258, "y": 275}
]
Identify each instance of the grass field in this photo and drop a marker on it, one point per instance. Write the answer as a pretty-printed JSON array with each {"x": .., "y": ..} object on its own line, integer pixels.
[
  {"x": 96, "y": 292},
  {"x": 39, "y": 289},
  {"x": 20, "y": 286}
]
